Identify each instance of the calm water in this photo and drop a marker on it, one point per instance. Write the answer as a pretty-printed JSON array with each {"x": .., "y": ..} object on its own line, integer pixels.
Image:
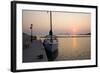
[{"x": 74, "y": 48}]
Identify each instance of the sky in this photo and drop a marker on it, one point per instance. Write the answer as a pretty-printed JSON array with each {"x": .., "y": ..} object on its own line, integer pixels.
[{"x": 62, "y": 22}]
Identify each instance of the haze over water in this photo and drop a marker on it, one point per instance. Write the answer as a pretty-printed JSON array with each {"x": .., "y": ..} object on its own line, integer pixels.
[{"x": 62, "y": 22}]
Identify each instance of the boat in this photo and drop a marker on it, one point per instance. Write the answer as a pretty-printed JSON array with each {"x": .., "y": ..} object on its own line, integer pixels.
[{"x": 51, "y": 43}]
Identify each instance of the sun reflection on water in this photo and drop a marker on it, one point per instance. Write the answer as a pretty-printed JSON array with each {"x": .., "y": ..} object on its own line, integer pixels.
[{"x": 74, "y": 43}]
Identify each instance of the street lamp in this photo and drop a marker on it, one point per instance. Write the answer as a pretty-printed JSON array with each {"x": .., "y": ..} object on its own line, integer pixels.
[{"x": 31, "y": 27}]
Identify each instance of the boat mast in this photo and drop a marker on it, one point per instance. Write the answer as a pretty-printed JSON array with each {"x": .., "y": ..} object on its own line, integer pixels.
[{"x": 51, "y": 33}]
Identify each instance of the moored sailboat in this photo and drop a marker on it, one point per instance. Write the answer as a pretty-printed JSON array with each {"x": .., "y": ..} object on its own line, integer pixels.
[{"x": 51, "y": 43}]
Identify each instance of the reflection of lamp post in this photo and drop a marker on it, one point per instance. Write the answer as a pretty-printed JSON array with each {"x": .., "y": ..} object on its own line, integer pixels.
[{"x": 31, "y": 26}]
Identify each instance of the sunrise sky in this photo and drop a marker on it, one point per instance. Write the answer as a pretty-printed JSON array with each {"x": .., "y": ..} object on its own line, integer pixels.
[{"x": 63, "y": 22}]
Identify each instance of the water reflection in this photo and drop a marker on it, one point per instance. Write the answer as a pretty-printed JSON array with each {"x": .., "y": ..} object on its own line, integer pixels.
[
  {"x": 72, "y": 48},
  {"x": 74, "y": 43}
]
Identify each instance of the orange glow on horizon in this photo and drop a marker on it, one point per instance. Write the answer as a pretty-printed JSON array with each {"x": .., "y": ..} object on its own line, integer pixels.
[
  {"x": 74, "y": 30},
  {"x": 62, "y": 22}
]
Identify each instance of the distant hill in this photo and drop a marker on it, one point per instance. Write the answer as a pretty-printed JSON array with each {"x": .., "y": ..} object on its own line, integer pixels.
[
  {"x": 73, "y": 34},
  {"x": 85, "y": 34},
  {"x": 88, "y": 34}
]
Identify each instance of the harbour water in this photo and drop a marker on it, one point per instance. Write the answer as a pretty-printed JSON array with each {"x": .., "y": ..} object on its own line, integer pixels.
[{"x": 73, "y": 48}]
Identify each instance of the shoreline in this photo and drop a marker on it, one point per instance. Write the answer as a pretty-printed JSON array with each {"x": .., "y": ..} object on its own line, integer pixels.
[{"x": 69, "y": 36}]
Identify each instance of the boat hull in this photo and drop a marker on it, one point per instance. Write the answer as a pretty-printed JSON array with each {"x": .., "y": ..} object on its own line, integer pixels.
[{"x": 51, "y": 51}]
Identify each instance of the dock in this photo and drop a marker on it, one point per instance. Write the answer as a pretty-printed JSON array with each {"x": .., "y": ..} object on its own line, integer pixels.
[{"x": 35, "y": 52}]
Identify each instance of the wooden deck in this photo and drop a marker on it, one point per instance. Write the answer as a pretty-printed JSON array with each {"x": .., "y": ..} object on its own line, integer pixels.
[{"x": 35, "y": 52}]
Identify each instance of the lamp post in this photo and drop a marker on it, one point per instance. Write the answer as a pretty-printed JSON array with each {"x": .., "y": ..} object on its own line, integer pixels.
[{"x": 31, "y": 27}]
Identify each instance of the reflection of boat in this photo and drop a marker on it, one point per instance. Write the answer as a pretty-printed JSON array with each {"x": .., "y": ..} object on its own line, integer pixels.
[{"x": 51, "y": 43}]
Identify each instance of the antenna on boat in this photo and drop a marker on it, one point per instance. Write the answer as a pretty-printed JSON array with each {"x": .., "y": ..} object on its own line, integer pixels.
[
  {"x": 50, "y": 32},
  {"x": 31, "y": 27}
]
